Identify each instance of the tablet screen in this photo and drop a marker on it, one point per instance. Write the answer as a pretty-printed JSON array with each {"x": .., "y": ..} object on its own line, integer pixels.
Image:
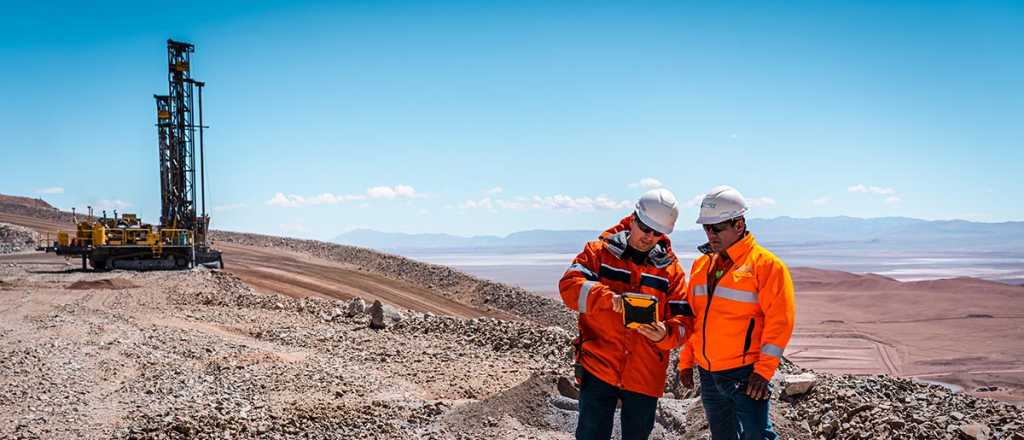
[{"x": 638, "y": 309}]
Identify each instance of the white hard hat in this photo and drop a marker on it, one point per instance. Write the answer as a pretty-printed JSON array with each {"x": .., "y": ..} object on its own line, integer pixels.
[
  {"x": 720, "y": 204},
  {"x": 658, "y": 209}
]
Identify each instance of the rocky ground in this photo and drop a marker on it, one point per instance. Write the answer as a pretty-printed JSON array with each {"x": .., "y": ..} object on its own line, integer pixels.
[
  {"x": 14, "y": 238},
  {"x": 200, "y": 355}
]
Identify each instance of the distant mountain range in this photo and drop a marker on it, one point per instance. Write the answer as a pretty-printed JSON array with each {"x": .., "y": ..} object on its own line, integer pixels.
[{"x": 890, "y": 233}]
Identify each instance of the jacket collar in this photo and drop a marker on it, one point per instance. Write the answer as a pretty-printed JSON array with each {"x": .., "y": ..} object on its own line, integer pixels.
[
  {"x": 741, "y": 248},
  {"x": 616, "y": 239},
  {"x": 737, "y": 251}
]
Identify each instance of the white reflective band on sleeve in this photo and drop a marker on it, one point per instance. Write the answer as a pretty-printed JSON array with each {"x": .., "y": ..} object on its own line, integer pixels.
[
  {"x": 735, "y": 295},
  {"x": 682, "y": 332},
  {"x": 584, "y": 293},
  {"x": 771, "y": 350},
  {"x": 655, "y": 277},
  {"x": 582, "y": 269},
  {"x": 622, "y": 271},
  {"x": 700, "y": 290}
]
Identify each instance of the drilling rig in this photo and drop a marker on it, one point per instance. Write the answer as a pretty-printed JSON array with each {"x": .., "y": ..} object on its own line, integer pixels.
[{"x": 181, "y": 241}]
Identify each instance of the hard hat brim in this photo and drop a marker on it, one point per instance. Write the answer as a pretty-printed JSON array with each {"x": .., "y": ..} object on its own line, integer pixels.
[
  {"x": 653, "y": 224},
  {"x": 710, "y": 220}
]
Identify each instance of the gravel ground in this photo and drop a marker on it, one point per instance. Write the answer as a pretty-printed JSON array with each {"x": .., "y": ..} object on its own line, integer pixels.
[{"x": 199, "y": 354}]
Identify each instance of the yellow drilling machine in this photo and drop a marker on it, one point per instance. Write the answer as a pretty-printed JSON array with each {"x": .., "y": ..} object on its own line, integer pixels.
[{"x": 181, "y": 241}]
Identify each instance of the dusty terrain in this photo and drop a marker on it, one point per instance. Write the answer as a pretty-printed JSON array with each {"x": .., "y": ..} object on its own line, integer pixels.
[
  {"x": 199, "y": 354},
  {"x": 962, "y": 331},
  {"x": 277, "y": 349}
]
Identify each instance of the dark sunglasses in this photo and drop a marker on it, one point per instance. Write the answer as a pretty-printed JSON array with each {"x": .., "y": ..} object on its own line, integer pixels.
[
  {"x": 646, "y": 229},
  {"x": 717, "y": 228}
]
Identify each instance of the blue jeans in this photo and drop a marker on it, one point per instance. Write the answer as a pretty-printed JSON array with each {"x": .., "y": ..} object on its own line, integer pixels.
[
  {"x": 597, "y": 411},
  {"x": 731, "y": 413}
]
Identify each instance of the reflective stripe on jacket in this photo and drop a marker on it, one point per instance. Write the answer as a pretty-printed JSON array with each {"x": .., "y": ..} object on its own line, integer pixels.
[
  {"x": 747, "y": 318},
  {"x": 615, "y": 354}
]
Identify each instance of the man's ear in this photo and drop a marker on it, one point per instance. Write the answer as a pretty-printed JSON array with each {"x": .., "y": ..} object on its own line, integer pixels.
[{"x": 741, "y": 224}]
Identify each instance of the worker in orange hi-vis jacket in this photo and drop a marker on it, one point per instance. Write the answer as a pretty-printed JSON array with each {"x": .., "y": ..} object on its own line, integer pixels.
[
  {"x": 632, "y": 260},
  {"x": 743, "y": 299}
]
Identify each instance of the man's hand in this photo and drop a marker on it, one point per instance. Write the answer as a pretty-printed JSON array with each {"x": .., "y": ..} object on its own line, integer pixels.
[
  {"x": 655, "y": 331},
  {"x": 616, "y": 303},
  {"x": 686, "y": 378},
  {"x": 757, "y": 387}
]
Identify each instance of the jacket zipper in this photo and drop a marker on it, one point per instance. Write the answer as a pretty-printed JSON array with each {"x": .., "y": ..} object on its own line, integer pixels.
[
  {"x": 746, "y": 340},
  {"x": 707, "y": 309}
]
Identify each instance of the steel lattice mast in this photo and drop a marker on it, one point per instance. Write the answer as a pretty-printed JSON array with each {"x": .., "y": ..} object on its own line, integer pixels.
[{"x": 177, "y": 128}]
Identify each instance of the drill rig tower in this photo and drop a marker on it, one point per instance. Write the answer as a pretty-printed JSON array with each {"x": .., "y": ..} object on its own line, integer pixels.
[
  {"x": 177, "y": 133},
  {"x": 181, "y": 239}
]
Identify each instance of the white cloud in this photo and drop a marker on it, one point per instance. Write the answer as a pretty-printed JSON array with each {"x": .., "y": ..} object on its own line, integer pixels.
[
  {"x": 554, "y": 202},
  {"x": 519, "y": 203},
  {"x": 761, "y": 201},
  {"x": 333, "y": 199},
  {"x": 230, "y": 207},
  {"x": 392, "y": 192},
  {"x": 568, "y": 203},
  {"x": 824, "y": 200},
  {"x": 646, "y": 182},
  {"x": 376, "y": 192},
  {"x": 892, "y": 200},
  {"x": 484, "y": 203},
  {"x": 51, "y": 190},
  {"x": 860, "y": 188},
  {"x": 423, "y": 212},
  {"x": 290, "y": 201},
  {"x": 495, "y": 190},
  {"x": 110, "y": 204}
]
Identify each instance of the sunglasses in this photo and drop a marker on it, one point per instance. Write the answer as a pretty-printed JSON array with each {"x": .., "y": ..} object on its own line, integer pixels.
[
  {"x": 717, "y": 228},
  {"x": 646, "y": 229}
]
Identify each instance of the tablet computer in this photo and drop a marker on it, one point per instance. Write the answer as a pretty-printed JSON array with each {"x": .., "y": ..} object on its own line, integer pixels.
[{"x": 639, "y": 309}]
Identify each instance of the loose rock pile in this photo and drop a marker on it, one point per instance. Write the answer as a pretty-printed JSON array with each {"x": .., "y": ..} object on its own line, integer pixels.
[
  {"x": 14, "y": 238},
  {"x": 885, "y": 407}
]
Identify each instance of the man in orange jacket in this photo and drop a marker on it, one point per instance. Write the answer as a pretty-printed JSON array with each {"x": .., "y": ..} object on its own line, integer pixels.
[
  {"x": 743, "y": 299},
  {"x": 615, "y": 362}
]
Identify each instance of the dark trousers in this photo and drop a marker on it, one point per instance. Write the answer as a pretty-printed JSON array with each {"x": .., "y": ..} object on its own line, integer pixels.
[
  {"x": 597, "y": 411},
  {"x": 731, "y": 413}
]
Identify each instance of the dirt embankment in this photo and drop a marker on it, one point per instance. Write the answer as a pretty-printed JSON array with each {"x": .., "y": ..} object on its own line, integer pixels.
[
  {"x": 26, "y": 201},
  {"x": 445, "y": 281}
]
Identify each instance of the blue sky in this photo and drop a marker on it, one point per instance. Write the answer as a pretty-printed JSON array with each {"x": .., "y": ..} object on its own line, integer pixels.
[{"x": 493, "y": 117}]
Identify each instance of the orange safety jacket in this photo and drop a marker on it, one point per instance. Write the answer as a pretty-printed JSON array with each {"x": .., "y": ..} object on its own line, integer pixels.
[
  {"x": 747, "y": 318},
  {"x": 618, "y": 355}
]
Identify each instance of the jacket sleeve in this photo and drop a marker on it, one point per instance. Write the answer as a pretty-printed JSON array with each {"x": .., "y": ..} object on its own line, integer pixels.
[
  {"x": 778, "y": 302},
  {"x": 686, "y": 359},
  {"x": 678, "y": 326},
  {"x": 579, "y": 287}
]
